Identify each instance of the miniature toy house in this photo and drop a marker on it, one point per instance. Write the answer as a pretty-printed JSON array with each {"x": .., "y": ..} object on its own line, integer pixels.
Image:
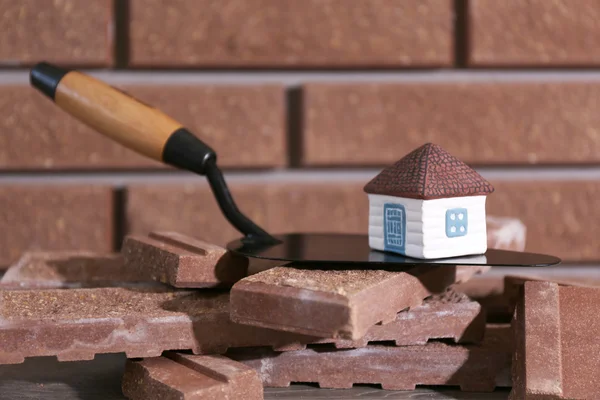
[{"x": 428, "y": 205}]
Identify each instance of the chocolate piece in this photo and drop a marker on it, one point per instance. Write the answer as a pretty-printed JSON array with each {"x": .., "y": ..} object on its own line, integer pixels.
[
  {"x": 54, "y": 217},
  {"x": 473, "y": 368},
  {"x": 182, "y": 261},
  {"x": 61, "y": 269},
  {"x": 332, "y": 304},
  {"x": 75, "y": 324},
  {"x": 270, "y": 33},
  {"x": 354, "y": 123},
  {"x": 64, "y": 32},
  {"x": 557, "y": 353},
  {"x": 181, "y": 376},
  {"x": 559, "y": 34}
]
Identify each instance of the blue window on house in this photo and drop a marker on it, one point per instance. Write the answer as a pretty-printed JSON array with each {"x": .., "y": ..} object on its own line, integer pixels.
[
  {"x": 394, "y": 227},
  {"x": 456, "y": 222}
]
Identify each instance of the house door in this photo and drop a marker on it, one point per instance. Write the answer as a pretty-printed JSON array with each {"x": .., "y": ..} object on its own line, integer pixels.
[{"x": 394, "y": 227}]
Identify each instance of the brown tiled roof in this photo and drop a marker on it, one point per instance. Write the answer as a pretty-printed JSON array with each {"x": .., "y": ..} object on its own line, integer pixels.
[{"x": 429, "y": 172}]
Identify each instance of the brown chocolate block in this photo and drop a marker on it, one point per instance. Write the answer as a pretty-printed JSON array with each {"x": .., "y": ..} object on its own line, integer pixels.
[
  {"x": 61, "y": 269},
  {"x": 181, "y": 376},
  {"x": 332, "y": 304},
  {"x": 244, "y": 124},
  {"x": 358, "y": 124},
  {"x": 71, "y": 32},
  {"x": 557, "y": 348},
  {"x": 473, "y": 368},
  {"x": 269, "y": 33},
  {"x": 533, "y": 33},
  {"x": 75, "y": 324},
  {"x": 54, "y": 217},
  {"x": 182, "y": 261}
]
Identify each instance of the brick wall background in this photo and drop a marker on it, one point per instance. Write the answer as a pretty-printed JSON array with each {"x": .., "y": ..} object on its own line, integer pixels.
[{"x": 304, "y": 102}]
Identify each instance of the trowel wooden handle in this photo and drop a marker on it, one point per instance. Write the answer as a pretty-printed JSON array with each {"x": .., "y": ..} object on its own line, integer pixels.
[{"x": 122, "y": 118}]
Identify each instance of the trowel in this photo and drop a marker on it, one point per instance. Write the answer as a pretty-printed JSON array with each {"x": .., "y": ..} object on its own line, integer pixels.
[{"x": 150, "y": 132}]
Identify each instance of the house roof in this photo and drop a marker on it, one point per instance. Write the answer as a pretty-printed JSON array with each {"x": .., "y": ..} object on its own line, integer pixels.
[{"x": 429, "y": 172}]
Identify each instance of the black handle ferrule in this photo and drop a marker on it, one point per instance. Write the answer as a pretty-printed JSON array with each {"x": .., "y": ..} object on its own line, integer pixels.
[
  {"x": 46, "y": 77},
  {"x": 184, "y": 150}
]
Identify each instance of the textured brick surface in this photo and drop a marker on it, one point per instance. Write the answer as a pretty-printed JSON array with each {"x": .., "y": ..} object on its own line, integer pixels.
[
  {"x": 331, "y": 206},
  {"x": 58, "y": 217},
  {"x": 191, "y": 209},
  {"x": 513, "y": 283},
  {"x": 181, "y": 261},
  {"x": 317, "y": 207},
  {"x": 557, "y": 352},
  {"x": 332, "y": 304},
  {"x": 449, "y": 315},
  {"x": 478, "y": 368},
  {"x": 75, "y": 324},
  {"x": 482, "y": 123},
  {"x": 558, "y": 215},
  {"x": 244, "y": 124},
  {"x": 533, "y": 33},
  {"x": 313, "y": 33},
  {"x": 182, "y": 376},
  {"x": 58, "y": 269},
  {"x": 69, "y": 32}
]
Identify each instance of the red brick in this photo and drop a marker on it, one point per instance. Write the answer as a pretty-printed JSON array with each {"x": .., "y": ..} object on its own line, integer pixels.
[
  {"x": 332, "y": 304},
  {"x": 63, "y": 269},
  {"x": 479, "y": 123},
  {"x": 181, "y": 261},
  {"x": 476, "y": 368},
  {"x": 557, "y": 352},
  {"x": 244, "y": 124},
  {"x": 533, "y": 33},
  {"x": 271, "y": 33},
  {"x": 182, "y": 376},
  {"x": 342, "y": 207},
  {"x": 59, "y": 217},
  {"x": 69, "y": 32},
  {"x": 558, "y": 215},
  {"x": 318, "y": 207},
  {"x": 192, "y": 210}
]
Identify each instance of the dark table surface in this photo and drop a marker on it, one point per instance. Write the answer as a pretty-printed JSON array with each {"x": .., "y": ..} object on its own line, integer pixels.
[{"x": 46, "y": 378}]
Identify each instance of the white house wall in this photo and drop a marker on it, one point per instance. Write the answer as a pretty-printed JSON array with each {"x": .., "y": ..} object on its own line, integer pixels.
[{"x": 426, "y": 226}]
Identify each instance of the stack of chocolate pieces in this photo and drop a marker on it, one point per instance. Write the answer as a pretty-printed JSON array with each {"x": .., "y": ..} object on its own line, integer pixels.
[{"x": 196, "y": 321}]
